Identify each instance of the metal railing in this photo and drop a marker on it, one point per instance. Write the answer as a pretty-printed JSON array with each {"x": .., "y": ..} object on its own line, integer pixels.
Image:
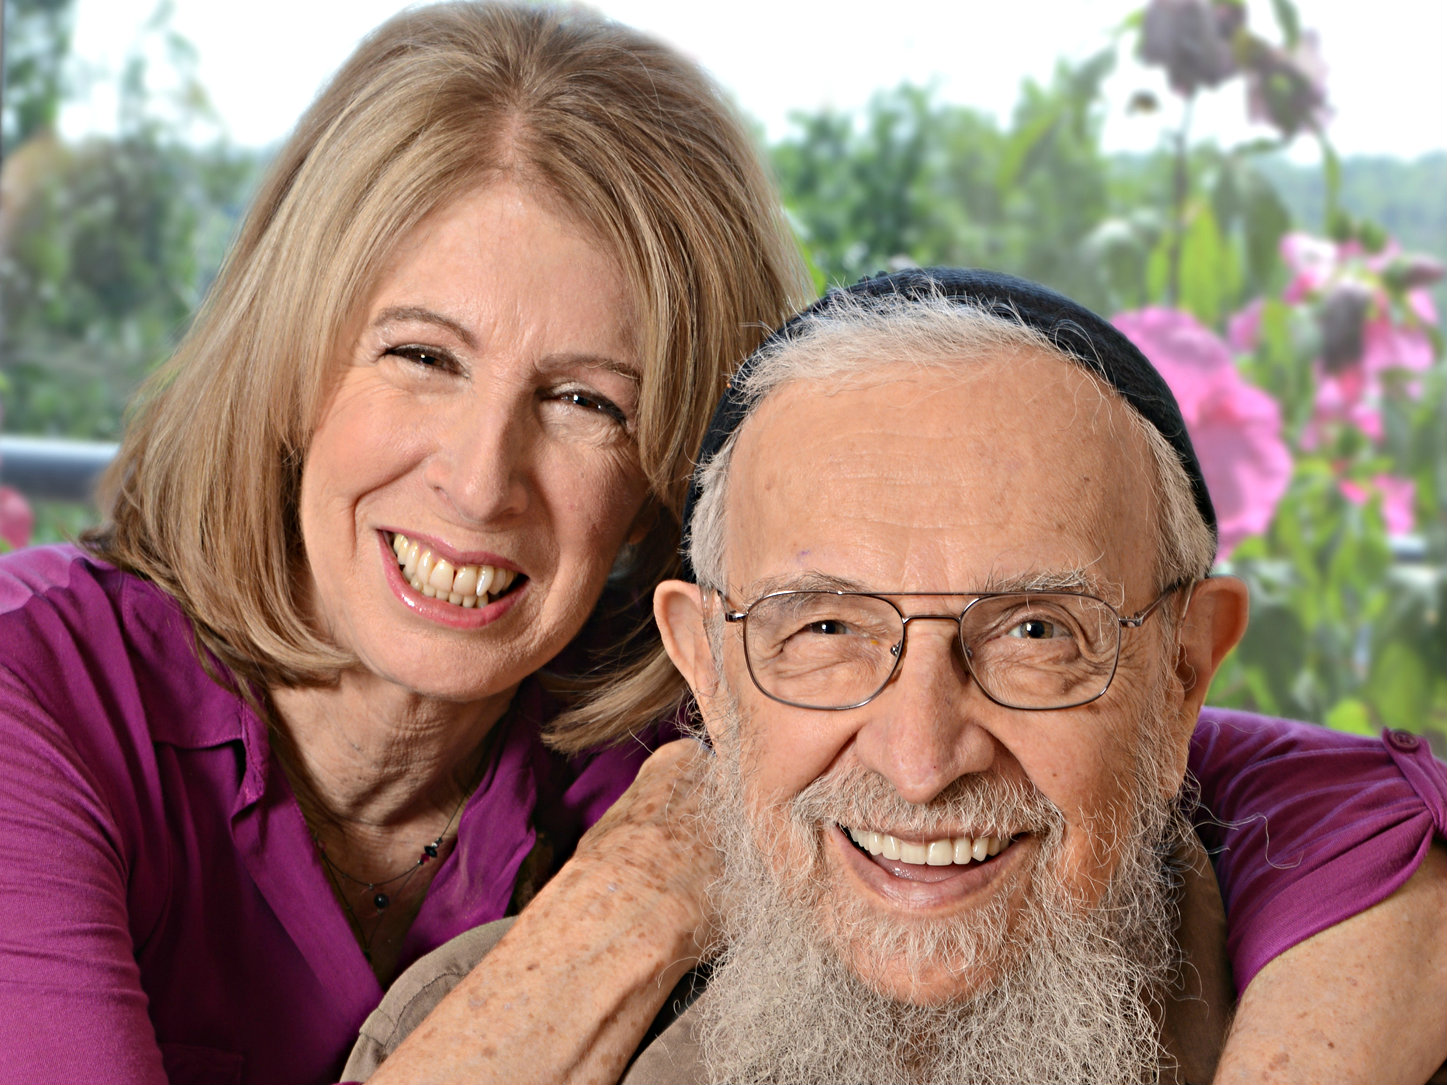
[{"x": 53, "y": 469}]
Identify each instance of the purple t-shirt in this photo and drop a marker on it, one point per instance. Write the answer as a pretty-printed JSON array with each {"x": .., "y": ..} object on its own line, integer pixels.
[
  {"x": 1312, "y": 825},
  {"x": 163, "y": 914}
]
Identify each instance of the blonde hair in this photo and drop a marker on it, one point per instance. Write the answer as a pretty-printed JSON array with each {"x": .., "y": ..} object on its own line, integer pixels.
[{"x": 621, "y": 132}]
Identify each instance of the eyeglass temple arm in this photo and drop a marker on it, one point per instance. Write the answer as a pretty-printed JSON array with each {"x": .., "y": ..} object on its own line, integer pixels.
[
  {"x": 729, "y": 613},
  {"x": 1135, "y": 621}
]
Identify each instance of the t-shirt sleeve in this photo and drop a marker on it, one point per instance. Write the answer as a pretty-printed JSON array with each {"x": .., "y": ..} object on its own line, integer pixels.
[
  {"x": 71, "y": 1003},
  {"x": 1306, "y": 826}
]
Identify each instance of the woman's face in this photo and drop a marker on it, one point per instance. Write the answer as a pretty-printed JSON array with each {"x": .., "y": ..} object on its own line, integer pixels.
[{"x": 485, "y": 414}]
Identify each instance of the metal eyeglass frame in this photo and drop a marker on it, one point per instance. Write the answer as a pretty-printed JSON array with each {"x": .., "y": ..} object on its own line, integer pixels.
[{"x": 734, "y": 615}]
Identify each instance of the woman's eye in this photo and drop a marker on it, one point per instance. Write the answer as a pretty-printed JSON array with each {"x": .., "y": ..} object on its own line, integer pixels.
[
  {"x": 425, "y": 357},
  {"x": 590, "y": 401}
]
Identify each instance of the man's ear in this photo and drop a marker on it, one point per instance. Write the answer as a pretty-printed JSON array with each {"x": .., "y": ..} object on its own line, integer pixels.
[
  {"x": 678, "y": 610},
  {"x": 1214, "y": 622}
]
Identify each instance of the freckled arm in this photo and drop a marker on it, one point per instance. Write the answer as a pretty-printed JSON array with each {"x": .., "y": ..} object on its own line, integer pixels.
[
  {"x": 1363, "y": 1001},
  {"x": 569, "y": 991}
]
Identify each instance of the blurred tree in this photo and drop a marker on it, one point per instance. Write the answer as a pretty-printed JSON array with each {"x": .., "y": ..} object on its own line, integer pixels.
[
  {"x": 914, "y": 181},
  {"x": 37, "y": 45},
  {"x": 106, "y": 246}
]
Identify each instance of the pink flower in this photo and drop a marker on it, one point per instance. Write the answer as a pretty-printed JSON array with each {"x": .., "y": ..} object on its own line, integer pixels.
[
  {"x": 1312, "y": 262},
  {"x": 1421, "y": 305},
  {"x": 1373, "y": 313},
  {"x": 16, "y": 519},
  {"x": 1391, "y": 346},
  {"x": 1234, "y": 426},
  {"x": 1286, "y": 88},
  {"x": 1191, "y": 39},
  {"x": 1398, "y": 497},
  {"x": 1243, "y": 331},
  {"x": 1341, "y": 400}
]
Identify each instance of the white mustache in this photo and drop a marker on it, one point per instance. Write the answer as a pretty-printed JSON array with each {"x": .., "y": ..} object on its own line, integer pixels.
[{"x": 978, "y": 805}]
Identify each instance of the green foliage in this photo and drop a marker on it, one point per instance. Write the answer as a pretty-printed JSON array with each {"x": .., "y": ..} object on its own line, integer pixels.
[
  {"x": 108, "y": 255},
  {"x": 37, "y": 43},
  {"x": 913, "y": 181},
  {"x": 106, "y": 247},
  {"x": 1347, "y": 626}
]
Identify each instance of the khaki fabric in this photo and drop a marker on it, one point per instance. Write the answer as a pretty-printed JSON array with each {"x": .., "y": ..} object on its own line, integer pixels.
[
  {"x": 415, "y": 992},
  {"x": 1194, "y": 1016}
]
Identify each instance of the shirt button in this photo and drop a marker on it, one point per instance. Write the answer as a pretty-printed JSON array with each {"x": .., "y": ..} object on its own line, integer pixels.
[{"x": 1403, "y": 740}]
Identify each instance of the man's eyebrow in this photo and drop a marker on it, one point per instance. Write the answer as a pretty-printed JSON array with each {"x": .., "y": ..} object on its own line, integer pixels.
[
  {"x": 809, "y": 581},
  {"x": 419, "y": 314},
  {"x": 1073, "y": 580}
]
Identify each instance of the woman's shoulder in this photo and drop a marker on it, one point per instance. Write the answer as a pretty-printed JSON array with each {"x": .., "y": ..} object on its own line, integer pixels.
[
  {"x": 96, "y": 649},
  {"x": 38, "y": 570},
  {"x": 1231, "y": 740},
  {"x": 61, "y": 606}
]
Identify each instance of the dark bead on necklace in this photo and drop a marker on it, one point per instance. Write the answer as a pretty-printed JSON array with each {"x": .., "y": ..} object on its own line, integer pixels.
[
  {"x": 431, "y": 849},
  {"x": 381, "y": 900}
]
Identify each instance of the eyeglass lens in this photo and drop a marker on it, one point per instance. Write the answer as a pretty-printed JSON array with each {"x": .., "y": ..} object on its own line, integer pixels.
[{"x": 1025, "y": 650}]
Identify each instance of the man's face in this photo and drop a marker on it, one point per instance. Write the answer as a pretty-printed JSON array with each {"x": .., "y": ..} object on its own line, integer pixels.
[{"x": 971, "y": 478}]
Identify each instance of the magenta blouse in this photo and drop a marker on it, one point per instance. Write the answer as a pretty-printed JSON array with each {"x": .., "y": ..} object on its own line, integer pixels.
[{"x": 165, "y": 917}]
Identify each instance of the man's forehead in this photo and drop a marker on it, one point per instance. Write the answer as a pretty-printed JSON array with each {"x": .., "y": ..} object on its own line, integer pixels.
[{"x": 986, "y": 472}]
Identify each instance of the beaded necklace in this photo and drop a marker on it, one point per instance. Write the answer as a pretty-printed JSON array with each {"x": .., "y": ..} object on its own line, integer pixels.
[{"x": 381, "y": 900}]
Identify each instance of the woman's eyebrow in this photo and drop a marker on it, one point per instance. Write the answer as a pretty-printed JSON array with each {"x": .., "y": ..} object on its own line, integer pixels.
[
  {"x": 570, "y": 360},
  {"x": 422, "y": 315}
]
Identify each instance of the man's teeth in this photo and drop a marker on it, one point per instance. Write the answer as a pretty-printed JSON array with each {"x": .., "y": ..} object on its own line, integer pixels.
[
  {"x": 957, "y": 849},
  {"x": 438, "y": 578}
]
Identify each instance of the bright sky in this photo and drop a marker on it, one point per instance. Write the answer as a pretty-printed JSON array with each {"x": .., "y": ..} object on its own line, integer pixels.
[{"x": 1385, "y": 79}]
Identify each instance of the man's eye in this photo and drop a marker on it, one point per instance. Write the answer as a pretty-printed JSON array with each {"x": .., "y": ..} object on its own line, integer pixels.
[
  {"x": 1037, "y": 629},
  {"x": 828, "y": 627}
]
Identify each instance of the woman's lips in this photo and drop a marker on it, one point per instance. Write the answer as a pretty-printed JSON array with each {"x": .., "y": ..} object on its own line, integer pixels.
[
  {"x": 485, "y": 608},
  {"x": 459, "y": 584}
]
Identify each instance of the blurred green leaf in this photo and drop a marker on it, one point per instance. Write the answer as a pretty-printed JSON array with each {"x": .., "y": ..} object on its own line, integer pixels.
[
  {"x": 1289, "y": 19},
  {"x": 1351, "y": 714}
]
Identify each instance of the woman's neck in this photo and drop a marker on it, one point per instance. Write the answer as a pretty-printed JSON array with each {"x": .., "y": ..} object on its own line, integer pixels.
[
  {"x": 367, "y": 758},
  {"x": 381, "y": 777}
]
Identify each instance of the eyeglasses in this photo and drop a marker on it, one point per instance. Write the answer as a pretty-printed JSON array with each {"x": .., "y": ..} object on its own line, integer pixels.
[{"x": 836, "y": 650}]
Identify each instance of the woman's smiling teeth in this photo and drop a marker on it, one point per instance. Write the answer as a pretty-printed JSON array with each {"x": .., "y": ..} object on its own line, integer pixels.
[
  {"x": 437, "y": 578},
  {"x": 958, "y": 849}
]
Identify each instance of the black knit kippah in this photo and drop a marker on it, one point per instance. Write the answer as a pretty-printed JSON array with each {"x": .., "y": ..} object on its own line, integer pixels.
[{"x": 1094, "y": 343}]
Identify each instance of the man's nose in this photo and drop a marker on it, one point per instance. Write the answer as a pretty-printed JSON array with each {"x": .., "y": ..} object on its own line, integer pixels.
[{"x": 923, "y": 733}]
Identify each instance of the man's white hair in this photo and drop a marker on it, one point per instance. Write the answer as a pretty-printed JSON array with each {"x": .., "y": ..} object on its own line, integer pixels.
[{"x": 858, "y": 336}]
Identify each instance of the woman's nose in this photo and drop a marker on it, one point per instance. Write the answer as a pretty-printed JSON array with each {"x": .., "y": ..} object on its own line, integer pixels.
[
  {"x": 923, "y": 733},
  {"x": 480, "y": 465}
]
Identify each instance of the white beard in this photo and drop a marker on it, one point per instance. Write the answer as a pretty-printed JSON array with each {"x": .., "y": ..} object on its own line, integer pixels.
[{"x": 1071, "y": 988}]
